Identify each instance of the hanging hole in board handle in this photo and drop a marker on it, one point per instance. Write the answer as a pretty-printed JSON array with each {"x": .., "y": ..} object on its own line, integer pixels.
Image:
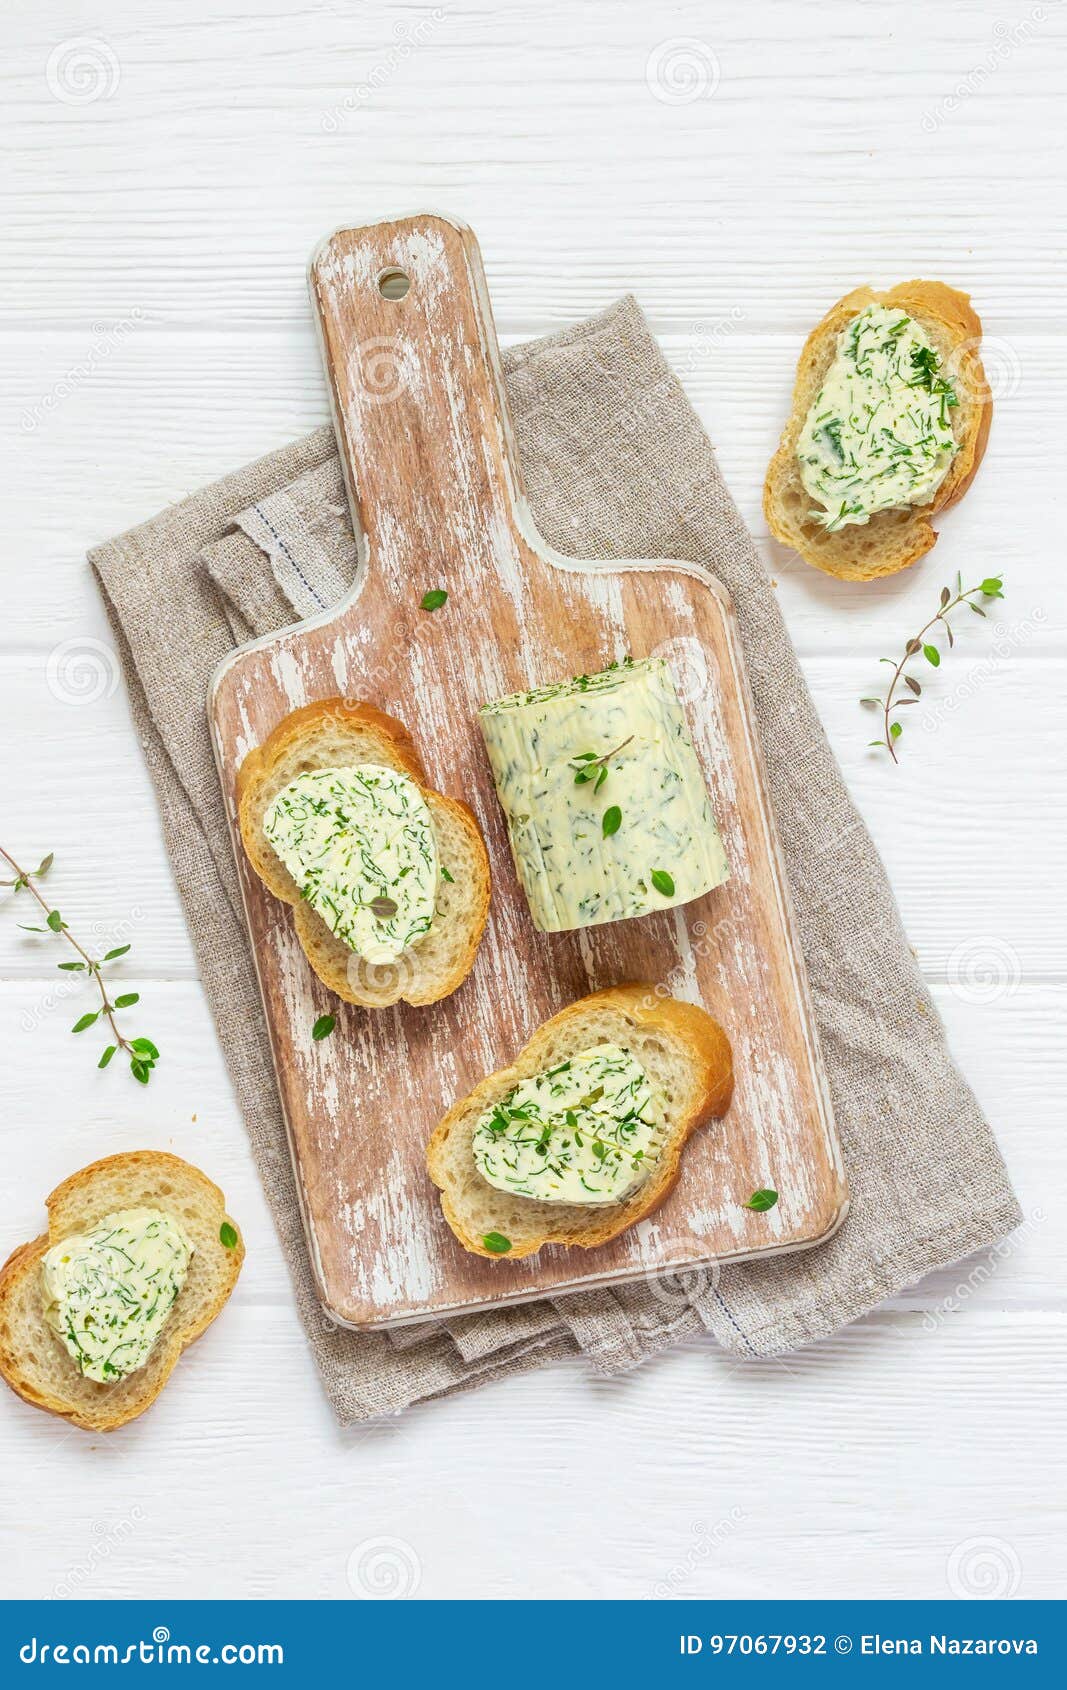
[{"x": 393, "y": 284}]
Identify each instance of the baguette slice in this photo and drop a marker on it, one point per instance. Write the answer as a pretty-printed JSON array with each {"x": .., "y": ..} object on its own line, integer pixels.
[
  {"x": 337, "y": 733},
  {"x": 687, "y": 1057},
  {"x": 34, "y": 1361},
  {"x": 892, "y": 539}
]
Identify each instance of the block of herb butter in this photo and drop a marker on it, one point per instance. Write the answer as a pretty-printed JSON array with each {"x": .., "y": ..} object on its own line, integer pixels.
[{"x": 607, "y": 810}]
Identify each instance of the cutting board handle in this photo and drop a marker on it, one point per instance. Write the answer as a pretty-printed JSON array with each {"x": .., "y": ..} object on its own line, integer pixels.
[{"x": 413, "y": 369}]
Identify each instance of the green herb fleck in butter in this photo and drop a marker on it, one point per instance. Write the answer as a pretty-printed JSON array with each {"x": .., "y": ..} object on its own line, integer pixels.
[
  {"x": 879, "y": 433},
  {"x": 350, "y": 837},
  {"x": 108, "y": 1292},
  {"x": 586, "y": 1131},
  {"x": 636, "y": 836}
]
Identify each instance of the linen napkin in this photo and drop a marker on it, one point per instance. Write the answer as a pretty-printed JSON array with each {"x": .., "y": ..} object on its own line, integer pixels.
[{"x": 616, "y": 464}]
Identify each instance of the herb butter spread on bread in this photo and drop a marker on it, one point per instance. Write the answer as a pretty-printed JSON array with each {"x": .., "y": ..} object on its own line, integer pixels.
[
  {"x": 607, "y": 809},
  {"x": 853, "y": 500},
  {"x": 108, "y": 1292},
  {"x": 388, "y": 880},
  {"x": 138, "y": 1259},
  {"x": 663, "y": 1068},
  {"x": 359, "y": 842},
  {"x": 586, "y": 1131},
  {"x": 878, "y": 434}
]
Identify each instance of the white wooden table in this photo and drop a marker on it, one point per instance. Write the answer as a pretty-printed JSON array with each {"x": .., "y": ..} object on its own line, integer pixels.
[{"x": 171, "y": 164}]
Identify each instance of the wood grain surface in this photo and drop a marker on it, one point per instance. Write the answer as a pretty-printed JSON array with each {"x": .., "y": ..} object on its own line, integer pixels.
[{"x": 433, "y": 481}]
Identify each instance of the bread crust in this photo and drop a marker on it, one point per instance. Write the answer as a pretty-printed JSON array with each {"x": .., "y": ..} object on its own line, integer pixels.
[
  {"x": 709, "y": 1048},
  {"x": 71, "y": 1206},
  {"x": 903, "y": 536},
  {"x": 327, "y": 955}
]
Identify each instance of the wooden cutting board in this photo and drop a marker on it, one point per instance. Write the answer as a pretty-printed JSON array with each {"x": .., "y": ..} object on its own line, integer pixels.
[{"x": 436, "y": 491}]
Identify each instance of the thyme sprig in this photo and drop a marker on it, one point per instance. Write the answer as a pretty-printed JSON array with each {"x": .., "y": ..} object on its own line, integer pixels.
[
  {"x": 594, "y": 768},
  {"x": 920, "y": 646},
  {"x": 142, "y": 1053}
]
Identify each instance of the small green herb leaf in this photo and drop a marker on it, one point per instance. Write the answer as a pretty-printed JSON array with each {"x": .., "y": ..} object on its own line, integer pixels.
[
  {"x": 662, "y": 881},
  {"x": 228, "y": 1236},
  {"x": 46, "y": 863},
  {"x": 127, "y": 999},
  {"x": 434, "y": 599},
  {"x": 85, "y": 1020},
  {"x": 496, "y": 1243},
  {"x": 761, "y": 1200},
  {"x": 120, "y": 950},
  {"x": 932, "y": 655},
  {"x": 140, "y": 1069},
  {"x": 382, "y": 908},
  {"x": 612, "y": 820},
  {"x": 108, "y": 1054},
  {"x": 446, "y": 876},
  {"x": 324, "y": 1026},
  {"x": 55, "y": 921},
  {"x": 895, "y": 729},
  {"x": 70, "y": 967},
  {"x": 144, "y": 1047}
]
